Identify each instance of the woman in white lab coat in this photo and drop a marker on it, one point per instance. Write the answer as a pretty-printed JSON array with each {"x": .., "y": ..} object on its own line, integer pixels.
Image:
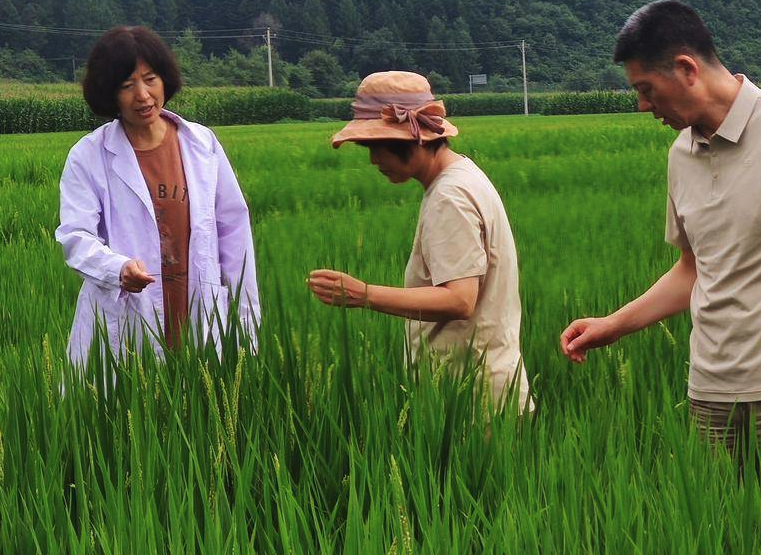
[{"x": 152, "y": 216}]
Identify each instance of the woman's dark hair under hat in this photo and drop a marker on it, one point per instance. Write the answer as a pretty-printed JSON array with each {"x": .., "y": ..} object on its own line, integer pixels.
[{"x": 403, "y": 149}]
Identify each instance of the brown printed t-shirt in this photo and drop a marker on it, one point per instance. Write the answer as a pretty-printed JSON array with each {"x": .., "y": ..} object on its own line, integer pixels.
[
  {"x": 463, "y": 232},
  {"x": 165, "y": 177},
  {"x": 714, "y": 209}
]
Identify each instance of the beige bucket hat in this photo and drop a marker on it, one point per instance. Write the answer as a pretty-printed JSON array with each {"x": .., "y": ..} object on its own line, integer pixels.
[{"x": 395, "y": 105}]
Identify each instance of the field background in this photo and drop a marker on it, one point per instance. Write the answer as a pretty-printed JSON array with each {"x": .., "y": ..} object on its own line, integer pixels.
[
  {"x": 49, "y": 108},
  {"x": 327, "y": 442}
]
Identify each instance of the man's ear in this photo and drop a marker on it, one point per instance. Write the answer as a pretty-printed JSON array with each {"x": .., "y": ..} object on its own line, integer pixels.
[{"x": 687, "y": 68}]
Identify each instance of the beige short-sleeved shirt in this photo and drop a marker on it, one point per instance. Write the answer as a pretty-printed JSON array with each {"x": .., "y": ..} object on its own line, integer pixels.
[
  {"x": 714, "y": 208},
  {"x": 463, "y": 232}
]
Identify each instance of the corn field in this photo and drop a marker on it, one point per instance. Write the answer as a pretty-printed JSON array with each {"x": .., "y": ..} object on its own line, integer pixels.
[{"x": 60, "y": 107}]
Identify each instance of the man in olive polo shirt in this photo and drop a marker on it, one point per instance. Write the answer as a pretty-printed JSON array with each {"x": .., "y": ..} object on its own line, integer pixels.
[{"x": 713, "y": 216}]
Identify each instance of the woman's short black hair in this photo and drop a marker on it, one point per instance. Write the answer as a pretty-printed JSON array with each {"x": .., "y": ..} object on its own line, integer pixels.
[
  {"x": 403, "y": 149},
  {"x": 114, "y": 58}
]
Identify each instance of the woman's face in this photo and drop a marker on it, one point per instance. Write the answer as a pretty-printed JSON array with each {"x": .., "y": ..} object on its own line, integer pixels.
[
  {"x": 389, "y": 164},
  {"x": 141, "y": 97}
]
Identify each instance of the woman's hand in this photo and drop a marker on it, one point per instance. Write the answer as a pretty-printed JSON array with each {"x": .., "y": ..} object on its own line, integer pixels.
[
  {"x": 134, "y": 277},
  {"x": 338, "y": 288}
]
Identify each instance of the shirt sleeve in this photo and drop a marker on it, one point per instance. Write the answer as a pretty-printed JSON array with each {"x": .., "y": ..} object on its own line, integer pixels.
[
  {"x": 675, "y": 232},
  {"x": 80, "y": 210},
  {"x": 452, "y": 237}
]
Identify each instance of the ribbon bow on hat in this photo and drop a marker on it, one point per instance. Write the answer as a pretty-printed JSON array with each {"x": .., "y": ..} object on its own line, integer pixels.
[
  {"x": 395, "y": 105},
  {"x": 430, "y": 116}
]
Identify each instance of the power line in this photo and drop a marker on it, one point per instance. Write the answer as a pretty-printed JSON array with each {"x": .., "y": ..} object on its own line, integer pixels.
[
  {"x": 67, "y": 58},
  {"x": 97, "y": 32},
  {"x": 284, "y": 35},
  {"x": 314, "y": 38},
  {"x": 306, "y": 35},
  {"x": 400, "y": 45}
]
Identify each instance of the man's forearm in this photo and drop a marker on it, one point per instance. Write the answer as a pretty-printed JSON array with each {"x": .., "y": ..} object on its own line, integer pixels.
[{"x": 668, "y": 296}]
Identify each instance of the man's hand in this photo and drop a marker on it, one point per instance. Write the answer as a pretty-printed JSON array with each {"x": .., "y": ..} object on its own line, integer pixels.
[
  {"x": 669, "y": 295},
  {"x": 134, "y": 276},
  {"x": 585, "y": 334},
  {"x": 338, "y": 289}
]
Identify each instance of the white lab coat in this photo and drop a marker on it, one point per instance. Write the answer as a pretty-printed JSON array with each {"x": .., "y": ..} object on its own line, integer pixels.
[{"x": 107, "y": 218}]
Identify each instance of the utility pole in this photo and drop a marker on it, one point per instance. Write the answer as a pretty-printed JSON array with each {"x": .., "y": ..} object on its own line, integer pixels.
[
  {"x": 525, "y": 83},
  {"x": 268, "y": 38},
  {"x": 73, "y": 69}
]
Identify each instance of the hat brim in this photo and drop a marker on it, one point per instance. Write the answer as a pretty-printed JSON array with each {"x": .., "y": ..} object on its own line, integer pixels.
[{"x": 378, "y": 129}]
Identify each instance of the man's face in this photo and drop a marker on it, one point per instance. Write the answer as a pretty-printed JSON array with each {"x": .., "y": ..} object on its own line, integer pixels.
[{"x": 661, "y": 92}]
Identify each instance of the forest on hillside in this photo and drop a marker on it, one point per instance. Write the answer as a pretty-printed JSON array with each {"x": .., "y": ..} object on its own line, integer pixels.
[{"x": 323, "y": 47}]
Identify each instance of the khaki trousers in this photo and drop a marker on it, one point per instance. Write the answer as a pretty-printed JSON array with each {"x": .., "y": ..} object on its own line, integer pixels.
[{"x": 731, "y": 425}]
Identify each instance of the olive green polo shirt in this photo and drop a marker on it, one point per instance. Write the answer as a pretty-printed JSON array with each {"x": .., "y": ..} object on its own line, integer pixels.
[{"x": 714, "y": 208}]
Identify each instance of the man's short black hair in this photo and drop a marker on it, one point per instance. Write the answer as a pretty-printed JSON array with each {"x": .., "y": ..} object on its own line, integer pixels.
[
  {"x": 114, "y": 58},
  {"x": 658, "y": 31},
  {"x": 403, "y": 149}
]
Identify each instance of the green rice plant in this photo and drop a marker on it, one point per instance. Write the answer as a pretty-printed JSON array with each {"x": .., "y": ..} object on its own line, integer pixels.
[{"x": 329, "y": 439}]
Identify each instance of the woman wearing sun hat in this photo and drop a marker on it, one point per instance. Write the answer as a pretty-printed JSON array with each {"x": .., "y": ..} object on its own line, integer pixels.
[{"x": 461, "y": 281}]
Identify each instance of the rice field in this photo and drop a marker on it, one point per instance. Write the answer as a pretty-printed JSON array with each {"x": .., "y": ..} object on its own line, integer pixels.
[{"x": 326, "y": 442}]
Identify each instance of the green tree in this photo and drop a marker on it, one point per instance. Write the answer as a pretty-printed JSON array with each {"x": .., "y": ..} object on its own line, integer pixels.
[
  {"x": 347, "y": 21},
  {"x": 308, "y": 25},
  {"x": 326, "y": 72},
  {"x": 82, "y": 14},
  {"x": 439, "y": 83},
  {"x": 167, "y": 15},
  {"x": 25, "y": 66},
  {"x": 140, "y": 12},
  {"x": 464, "y": 60},
  {"x": 582, "y": 79},
  {"x": 452, "y": 53},
  {"x": 314, "y": 18},
  {"x": 613, "y": 78},
  {"x": 500, "y": 83},
  {"x": 349, "y": 88},
  {"x": 9, "y": 15},
  {"x": 436, "y": 37},
  {"x": 300, "y": 79},
  {"x": 381, "y": 50},
  {"x": 243, "y": 70},
  {"x": 34, "y": 13},
  {"x": 188, "y": 51},
  {"x": 561, "y": 35},
  {"x": 554, "y": 35}
]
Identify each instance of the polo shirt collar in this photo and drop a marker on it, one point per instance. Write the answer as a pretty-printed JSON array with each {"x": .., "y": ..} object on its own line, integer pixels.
[{"x": 738, "y": 116}]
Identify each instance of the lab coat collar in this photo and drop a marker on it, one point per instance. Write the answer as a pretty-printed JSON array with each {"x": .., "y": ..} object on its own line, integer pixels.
[
  {"x": 192, "y": 143},
  {"x": 117, "y": 143},
  {"x": 124, "y": 163}
]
